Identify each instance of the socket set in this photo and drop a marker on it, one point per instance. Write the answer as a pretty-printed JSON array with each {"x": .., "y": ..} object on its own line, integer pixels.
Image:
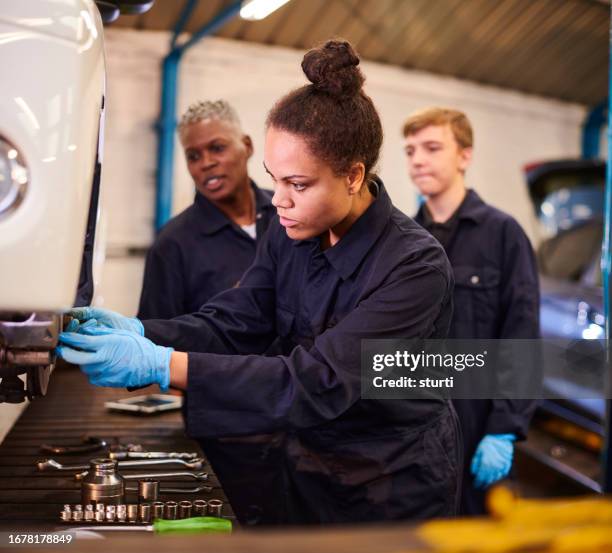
[{"x": 140, "y": 513}]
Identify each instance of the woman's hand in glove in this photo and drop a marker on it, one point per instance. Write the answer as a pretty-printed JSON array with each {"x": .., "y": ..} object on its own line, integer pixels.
[
  {"x": 116, "y": 357},
  {"x": 104, "y": 318}
]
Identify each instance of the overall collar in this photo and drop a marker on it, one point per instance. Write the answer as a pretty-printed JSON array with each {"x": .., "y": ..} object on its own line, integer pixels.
[
  {"x": 471, "y": 208},
  {"x": 210, "y": 219},
  {"x": 348, "y": 253}
]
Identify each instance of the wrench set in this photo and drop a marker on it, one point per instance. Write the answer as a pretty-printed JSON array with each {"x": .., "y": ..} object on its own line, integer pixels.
[{"x": 103, "y": 488}]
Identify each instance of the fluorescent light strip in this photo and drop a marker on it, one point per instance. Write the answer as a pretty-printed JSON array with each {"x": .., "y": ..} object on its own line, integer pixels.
[{"x": 254, "y": 10}]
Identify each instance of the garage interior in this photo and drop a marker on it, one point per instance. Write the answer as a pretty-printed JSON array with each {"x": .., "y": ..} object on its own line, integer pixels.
[{"x": 533, "y": 77}]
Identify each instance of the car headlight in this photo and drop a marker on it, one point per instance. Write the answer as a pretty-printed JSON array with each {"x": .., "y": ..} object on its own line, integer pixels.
[{"x": 13, "y": 177}]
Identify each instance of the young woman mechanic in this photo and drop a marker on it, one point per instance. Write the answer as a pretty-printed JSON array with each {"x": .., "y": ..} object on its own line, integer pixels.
[{"x": 340, "y": 264}]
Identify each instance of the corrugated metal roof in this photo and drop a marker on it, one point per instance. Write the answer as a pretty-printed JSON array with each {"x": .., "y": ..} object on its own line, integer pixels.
[{"x": 554, "y": 48}]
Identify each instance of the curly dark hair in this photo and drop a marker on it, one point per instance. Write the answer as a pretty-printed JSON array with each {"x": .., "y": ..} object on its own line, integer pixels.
[{"x": 333, "y": 114}]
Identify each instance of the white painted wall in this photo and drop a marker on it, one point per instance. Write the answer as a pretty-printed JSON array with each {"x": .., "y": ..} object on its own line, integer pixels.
[{"x": 511, "y": 129}]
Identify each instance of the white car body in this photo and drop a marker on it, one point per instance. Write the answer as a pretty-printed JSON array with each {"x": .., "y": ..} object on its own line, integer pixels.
[
  {"x": 51, "y": 123},
  {"x": 52, "y": 60}
]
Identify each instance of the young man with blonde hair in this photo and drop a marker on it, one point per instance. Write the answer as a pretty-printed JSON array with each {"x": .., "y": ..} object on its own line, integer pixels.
[{"x": 496, "y": 283}]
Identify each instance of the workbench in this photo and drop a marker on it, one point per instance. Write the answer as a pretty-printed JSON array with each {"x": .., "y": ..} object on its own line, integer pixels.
[{"x": 30, "y": 500}]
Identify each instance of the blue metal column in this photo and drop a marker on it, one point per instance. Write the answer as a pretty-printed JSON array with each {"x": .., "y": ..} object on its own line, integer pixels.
[
  {"x": 167, "y": 119},
  {"x": 165, "y": 151},
  {"x": 606, "y": 263},
  {"x": 591, "y": 131}
]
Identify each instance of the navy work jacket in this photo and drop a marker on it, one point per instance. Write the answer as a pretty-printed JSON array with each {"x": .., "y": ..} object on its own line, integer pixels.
[
  {"x": 198, "y": 254},
  {"x": 496, "y": 276},
  {"x": 335, "y": 457},
  {"x": 496, "y": 296}
]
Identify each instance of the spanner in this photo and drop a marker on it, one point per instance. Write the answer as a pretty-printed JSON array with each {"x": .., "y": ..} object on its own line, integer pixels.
[
  {"x": 164, "y": 490},
  {"x": 152, "y": 455},
  {"x": 157, "y": 475},
  {"x": 115, "y": 451},
  {"x": 194, "y": 464}
]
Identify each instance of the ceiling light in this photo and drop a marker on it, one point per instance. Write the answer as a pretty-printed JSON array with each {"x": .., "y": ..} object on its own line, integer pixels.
[{"x": 254, "y": 10}]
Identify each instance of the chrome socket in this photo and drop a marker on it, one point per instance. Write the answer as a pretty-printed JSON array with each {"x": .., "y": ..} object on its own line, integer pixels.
[
  {"x": 77, "y": 513},
  {"x": 111, "y": 513},
  {"x": 100, "y": 512},
  {"x": 184, "y": 509},
  {"x": 148, "y": 490},
  {"x": 200, "y": 507},
  {"x": 215, "y": 506},
  {"x": 170, "y": 510},
  {"x": 66, "y": 514},
  {"x": 158, "y": 510},
  {"x": 102, "y": 484},
  {"x": 89, "y": 513},
  {"x": 144, "y": 512}
]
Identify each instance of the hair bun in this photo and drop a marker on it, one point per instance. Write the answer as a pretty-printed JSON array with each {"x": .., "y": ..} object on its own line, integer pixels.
[{"x": 332, "y": 68}]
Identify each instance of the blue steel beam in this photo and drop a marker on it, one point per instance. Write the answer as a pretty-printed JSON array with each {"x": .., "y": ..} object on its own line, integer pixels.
[
  {"x": 182, "y": 21},
  {"x": 167, "y": 122},
  {"x": 592, "y": 130},
  {"x": 218, "y": 21},
  {"x": 167, "y": 118},
  {"x": 606, "y": 263}
]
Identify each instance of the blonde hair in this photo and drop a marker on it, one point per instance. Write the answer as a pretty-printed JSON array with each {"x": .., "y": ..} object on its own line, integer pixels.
[
  {"x": 457, "y": 120},
  {"x": 207, "y": 109}
]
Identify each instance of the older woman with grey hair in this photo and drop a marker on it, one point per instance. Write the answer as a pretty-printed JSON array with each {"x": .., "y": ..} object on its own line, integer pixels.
[{"x": 206, "y": 248}]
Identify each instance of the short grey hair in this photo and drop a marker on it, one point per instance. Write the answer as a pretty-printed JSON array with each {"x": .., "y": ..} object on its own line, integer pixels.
[{"x": 207, "y": 109}]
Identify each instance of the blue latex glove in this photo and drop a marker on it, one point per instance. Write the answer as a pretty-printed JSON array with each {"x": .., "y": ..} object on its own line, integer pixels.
[
  {"x": 74, "y": 325},
  {"x": 117, "y": 358},
  {"x": 106, "y": 318},
  {"x": 493, "y": 459}
]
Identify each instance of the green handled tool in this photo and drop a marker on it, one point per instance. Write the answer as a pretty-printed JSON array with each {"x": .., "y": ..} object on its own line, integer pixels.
[{"x": 193, "y": 525}]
